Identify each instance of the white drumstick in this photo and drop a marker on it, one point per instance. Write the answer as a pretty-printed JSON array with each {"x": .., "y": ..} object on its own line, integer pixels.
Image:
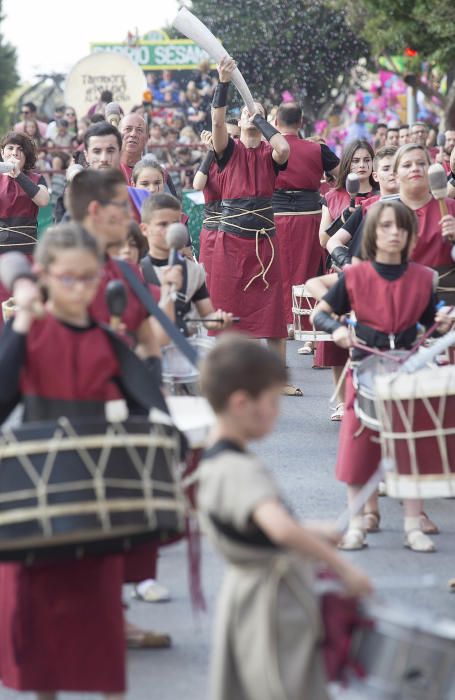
[
  {"x": 356, "y": 507},
  {"x": 192, "y": 27}
]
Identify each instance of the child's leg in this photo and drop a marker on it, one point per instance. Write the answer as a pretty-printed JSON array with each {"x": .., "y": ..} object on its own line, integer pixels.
[
  {"x": 354, "y": 537},
  {"x": 372, "y": 516},
  {"x": 279, "y": 346},
  {"x": 415, "y": 539}
]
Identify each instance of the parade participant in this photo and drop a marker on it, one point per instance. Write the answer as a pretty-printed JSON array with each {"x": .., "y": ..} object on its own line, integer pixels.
[
  {"x": 267, "y": 594},
  {"x": 389, "y": 296},
  {"x": 133, "y": 130},
  {"x": 296, "y": 204},
  {"x": 393, "y": 137},
  {"x": 245, "y": 274},
  {"x": 403, "y": 134},
  {"x": 384, "y": 175},
  {"x": 99, "y": 201},
  {"x": 61, "y": 622},
  {"x": 22, "y": 193},
  {"x": 357, "y": 158},
  {"x": 158, "y": 213},
  {"x": 102, "y": 143},
  {"x": 206, "y": 179}
]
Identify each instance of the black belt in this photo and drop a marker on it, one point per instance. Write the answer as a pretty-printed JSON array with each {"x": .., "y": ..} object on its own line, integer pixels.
[
  {"x": 37, "y": 408},
  {"x": 245, "y": 217},
  {"x": 386, "y": 341},
  {"x": 296, "y": 201},
  {"x": 212, "y": 214}
]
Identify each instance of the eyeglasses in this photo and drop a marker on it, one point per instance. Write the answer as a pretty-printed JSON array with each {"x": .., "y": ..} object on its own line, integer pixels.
[{"x": 70, "y": 281}]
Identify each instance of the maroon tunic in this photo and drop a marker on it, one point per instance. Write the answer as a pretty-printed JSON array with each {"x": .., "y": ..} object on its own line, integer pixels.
[
  {"x": 245, "y": 272},
  {"x": 18, "y": 215},
  {"x": 297, "y": 222},
  {"x": 140, "y": 563},
  {"x": 431, "y": 248},
  {"x": 61, "y": 622},
  {"x": 209, "y": 228},
  {"x": 329, "y": 354},
  {"x": 389, "y": 307}
]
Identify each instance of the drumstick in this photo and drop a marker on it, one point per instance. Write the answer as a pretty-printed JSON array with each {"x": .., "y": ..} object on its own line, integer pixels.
[
  {"x": 342, "y": 522},
  {"x": 426, "y": 335},
  {"x": 374, "y": 351},
  {"x": 438, "y": 186}
]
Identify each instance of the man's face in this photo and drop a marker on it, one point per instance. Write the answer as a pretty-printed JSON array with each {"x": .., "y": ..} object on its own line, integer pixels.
[
  {"x": 392, "y": 138},
  {"x": 450, "y": 142},
  {"x": 403, "y": 137},
  {"x": 134, "y": 134},
  {"x": 381, "y": 135},
  {"x": 155, "y": 230},
  {"x": 245, "y": 117},
  {"x": 103, "y": 152},
  {"x": 419, "y": 134},
  {"x": 385, "y": 176}
]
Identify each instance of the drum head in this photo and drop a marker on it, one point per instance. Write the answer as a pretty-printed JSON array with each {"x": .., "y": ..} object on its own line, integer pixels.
[{"x": 177, "y": 368}]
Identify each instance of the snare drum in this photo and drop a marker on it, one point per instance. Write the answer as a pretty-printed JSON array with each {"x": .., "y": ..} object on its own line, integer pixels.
[
  {"x": 179, "y": 375},
  {"x": 88, "y": 486},
  {"x": 302, "y": 306},
  {"x": 404, "y": 655},
  {"x": 416, "y": 413},
  {"x": 363, "y": 379}
]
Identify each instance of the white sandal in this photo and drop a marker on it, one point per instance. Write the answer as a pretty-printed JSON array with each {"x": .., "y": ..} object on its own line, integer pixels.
[
  {"x": 353, "y": 539},
  {"x": 417, "y": 541},
  {"x": 338, "y": 413}
]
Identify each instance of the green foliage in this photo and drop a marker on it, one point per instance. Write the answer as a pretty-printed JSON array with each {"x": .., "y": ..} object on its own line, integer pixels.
[
  {"x": 304, "y": 46},
  {"x": 8, "y": 75}
]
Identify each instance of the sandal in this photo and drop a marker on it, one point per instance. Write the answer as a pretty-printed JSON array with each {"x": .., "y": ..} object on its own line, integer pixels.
[
  {"x": 371, "y": 521},
  {"x": 306, "y": 349},
  {"x": 338, "y": 413},
  {"x": 290, "y": 390},
  {"x": 452, "y": 585},
  {"x": 427, "y": 525},
  {"x": 417, "y": 541},
  {"x": 151, "y": 592},
  {"x": 382, "y": 489},
  {"x": 353, "y": 539},
  {"x": 148, "y": 640}
]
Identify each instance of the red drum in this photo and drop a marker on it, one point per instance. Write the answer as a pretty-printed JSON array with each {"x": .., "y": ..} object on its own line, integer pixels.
[
  {"x": 302, "y": 306},
  {"x": 416, "y": 414}
]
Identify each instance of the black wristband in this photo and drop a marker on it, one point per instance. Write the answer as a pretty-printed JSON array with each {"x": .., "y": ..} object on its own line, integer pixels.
[
  {"x": 220, "y": 95},
  {"x": 206, "y": 162},
  {"x": 266, "y": 129},
  {"x": 324, "y": 322},
  {"x": 29, "y": 187},
  {"x": 334, "y": 227},
  {"x": 154, "y": 367},
  {"x": 340, "y": 256},
  {"x": 452, "y": 179}
]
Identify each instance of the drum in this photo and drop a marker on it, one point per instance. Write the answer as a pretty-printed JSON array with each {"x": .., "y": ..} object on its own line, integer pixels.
[
  {"x": 70, "y": 488},
  {"x": 179, "y": 375},
  {"x": 416, "y": 413},
  {"x": 403, "y": 655},
  {"x": 364, "y": 376},
  {"x": 302, "y": 306}
]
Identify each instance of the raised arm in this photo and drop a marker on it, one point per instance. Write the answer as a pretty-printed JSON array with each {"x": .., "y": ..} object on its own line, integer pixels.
[
  {"x": 201, "y": 176},
  {"x": 220, "y": 135}
]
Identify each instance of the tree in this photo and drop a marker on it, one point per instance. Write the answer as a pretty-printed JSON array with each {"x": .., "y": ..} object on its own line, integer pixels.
[
  {"x": 9, "y": 77},
  {"x": 425, "y": 26},
  {"x": 303, "y": 46}
]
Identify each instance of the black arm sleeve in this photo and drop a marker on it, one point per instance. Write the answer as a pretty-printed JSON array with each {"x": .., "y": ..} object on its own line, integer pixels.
[
  {"x": 427, "y": 318},
  {"x": 355, "y": 245},
  {"x": 354, "y": 221},
  {"x": 12, "y": 356},
  {"x": 337, "y": 297},
  {"x": 278, "y": 167},
  {"x": 225, "y": 158},
  {"x": 324, "y": 322},
  {"x": 329, "y": 159}
]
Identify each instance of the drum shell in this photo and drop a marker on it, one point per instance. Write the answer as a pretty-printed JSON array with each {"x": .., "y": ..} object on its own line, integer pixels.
[
  {"x": 403, "y": 659},
  {"x": 99, "y": 498},
  {"x": 364, "y": 375},
  {"x": 302, "y": 306},
  {"x": 179, "y": 375},
  {"x": 417, "y": 416}
]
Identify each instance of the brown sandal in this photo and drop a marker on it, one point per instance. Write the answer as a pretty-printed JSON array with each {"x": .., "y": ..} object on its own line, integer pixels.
[
  {"x": 427, "y": 525},
  {"x": 371, "y": 521},
  {"x": 290, "y": 390}
]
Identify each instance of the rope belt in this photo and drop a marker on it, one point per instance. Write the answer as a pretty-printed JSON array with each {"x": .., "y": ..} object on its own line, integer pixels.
[{"x": 264, "y": 232}]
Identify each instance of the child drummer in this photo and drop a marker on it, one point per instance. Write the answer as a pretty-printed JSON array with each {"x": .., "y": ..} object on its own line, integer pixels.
[
  {"x": 268, "y": 629},
  {"x": 61, "y": 622},
  {"x": 390, "y": 295}
]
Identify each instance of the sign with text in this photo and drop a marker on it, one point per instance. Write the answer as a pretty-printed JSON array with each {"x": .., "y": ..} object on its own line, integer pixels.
[{"x": 178, "y": 54}]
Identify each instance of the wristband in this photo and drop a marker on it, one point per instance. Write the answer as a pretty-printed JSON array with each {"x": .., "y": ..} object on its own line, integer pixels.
[
  {"x": 324, "y": 322},
  {"x": 340, "y": 256},
  {"x": 29, "y": 187},
  {"x": 206, "y": 162},
  {"x": 266, "y": 129},
  {"x": 220, "y": 95},
  {"x": 154, "y": 367},
  {"x": 452, "y": 179}
]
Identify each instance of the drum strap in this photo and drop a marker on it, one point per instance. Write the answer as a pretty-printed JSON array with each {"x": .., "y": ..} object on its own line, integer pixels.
[
  {"x": 378, "y": 339},
  {"x": 151, "y": 276},
  {"x": 152, "y": 307}
]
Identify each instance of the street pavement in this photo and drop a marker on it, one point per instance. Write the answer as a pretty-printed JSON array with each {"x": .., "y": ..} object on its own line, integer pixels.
[{"x": 301, "y": 453}]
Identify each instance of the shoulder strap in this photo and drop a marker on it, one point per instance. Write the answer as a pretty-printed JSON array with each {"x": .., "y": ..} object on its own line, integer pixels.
[
  {"x": 149, "y": 272},
  {"x": 152, "y": 307}
]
